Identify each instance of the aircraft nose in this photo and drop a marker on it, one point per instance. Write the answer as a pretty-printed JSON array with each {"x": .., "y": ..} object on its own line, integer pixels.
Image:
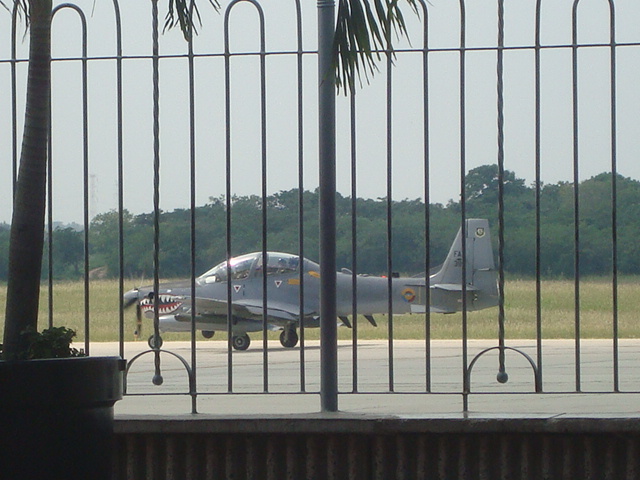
[{"x": 130, "y": 297}]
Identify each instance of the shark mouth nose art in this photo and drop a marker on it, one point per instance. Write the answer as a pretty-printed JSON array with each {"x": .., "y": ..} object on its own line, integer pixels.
[{"x": 166, "y": 304}]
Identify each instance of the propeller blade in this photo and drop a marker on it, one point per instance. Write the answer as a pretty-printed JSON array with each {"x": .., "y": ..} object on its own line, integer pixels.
[
  {"x": 130, "y": 297},
  {"x": 138, "y": 331}
]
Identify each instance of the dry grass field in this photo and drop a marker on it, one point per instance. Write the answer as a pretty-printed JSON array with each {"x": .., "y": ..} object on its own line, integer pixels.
[{"x": 557, "y": 313}]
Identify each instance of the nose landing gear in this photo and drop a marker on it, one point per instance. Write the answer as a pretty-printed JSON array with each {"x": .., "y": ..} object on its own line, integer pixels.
[{"x": 155, "y": 342}]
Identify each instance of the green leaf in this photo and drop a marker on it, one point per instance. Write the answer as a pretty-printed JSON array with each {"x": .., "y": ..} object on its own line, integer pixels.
[
  {"x": 362, "y": 32},
  {"x": 185, "y": 13}
]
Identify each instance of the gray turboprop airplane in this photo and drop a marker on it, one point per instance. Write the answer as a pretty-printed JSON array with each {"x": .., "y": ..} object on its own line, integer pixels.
[{"x": 282, "y": 310}]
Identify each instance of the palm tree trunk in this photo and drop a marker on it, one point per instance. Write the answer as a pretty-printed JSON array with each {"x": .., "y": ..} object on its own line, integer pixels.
[{"x": 27, "y": 225}]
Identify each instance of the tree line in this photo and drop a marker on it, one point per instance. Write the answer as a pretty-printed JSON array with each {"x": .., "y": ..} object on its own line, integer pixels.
[{"x": 364, "y": 223}]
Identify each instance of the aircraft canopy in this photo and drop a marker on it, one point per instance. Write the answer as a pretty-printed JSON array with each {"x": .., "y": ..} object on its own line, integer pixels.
[{"x": 251, "y": 264}]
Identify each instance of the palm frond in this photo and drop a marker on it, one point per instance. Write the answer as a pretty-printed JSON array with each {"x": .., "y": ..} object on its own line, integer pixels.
[
  {"x": 362, "y": 32},
  {"x": 184, "y": 13},
  {"x": 21, "y": 5}
]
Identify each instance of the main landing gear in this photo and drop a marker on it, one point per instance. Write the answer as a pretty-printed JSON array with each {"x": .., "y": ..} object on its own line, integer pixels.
[
  {"x": 240, "y": 342},
  {"x": 289, "y": 337}
]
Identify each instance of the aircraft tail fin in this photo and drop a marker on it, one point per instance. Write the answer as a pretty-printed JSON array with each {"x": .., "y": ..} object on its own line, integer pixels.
[{"x": 481, "y": 276}]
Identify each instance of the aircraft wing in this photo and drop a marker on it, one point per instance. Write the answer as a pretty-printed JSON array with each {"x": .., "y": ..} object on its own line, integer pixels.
[
  {"x": 453, "y": 287},
  {"x": 276, "y": 311}
]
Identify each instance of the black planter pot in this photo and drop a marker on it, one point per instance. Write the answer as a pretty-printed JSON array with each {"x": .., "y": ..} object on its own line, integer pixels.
[{"x": 56, "y": 417}]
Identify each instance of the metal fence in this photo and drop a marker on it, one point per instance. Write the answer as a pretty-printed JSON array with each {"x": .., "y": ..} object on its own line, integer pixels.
[{"x": 223, "y": 115}]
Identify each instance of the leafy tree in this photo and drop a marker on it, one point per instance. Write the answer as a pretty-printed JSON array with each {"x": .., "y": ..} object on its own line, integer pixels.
[
  {"x": 68, "y": 250},
  {"x": 408, "y": 230},
  {"x": 482, "y": 183},
  {"x": 137, "y": 234}
]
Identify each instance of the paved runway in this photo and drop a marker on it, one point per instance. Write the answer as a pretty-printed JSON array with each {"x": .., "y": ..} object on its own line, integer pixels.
[{"x": 280, "y": 375}]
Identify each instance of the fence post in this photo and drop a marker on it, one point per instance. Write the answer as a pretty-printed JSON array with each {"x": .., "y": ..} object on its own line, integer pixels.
[{"x": 327, "y": 160}]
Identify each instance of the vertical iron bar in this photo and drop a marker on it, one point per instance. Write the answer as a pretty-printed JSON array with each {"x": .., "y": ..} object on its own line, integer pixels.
[
  {"x": 85, "y": 163},
  {"x": 192, "y": 184},
  {"x": 538, "y": 186},
  {"x": 500, "y": 94},
  {"x": 50, "y": 216},
  {"x": 50, "y": 212},
  {"x": 263, "y": 137},
  {"x": 389, "y": 212},
  {"x": 354, "y": 246},
  {"x": 463, "y": 207},
  {"x": 14, "y": 101},
  {"x": 576, "y": 192},
  {"x": 299, "y": 58},
  {"x": 327, "y": 159},
  {"x": 614, "y": 198},
  {"x": 156, "y": 164},
  {"x": 156, "y": 191},
  {"x": 227, "y": 93},
  {"x": 120, "y": 168},
  {"x": 427, "y": 193}
]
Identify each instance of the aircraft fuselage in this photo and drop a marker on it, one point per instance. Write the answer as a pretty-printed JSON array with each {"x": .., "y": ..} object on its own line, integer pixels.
[{"x": 249, "y": 294}]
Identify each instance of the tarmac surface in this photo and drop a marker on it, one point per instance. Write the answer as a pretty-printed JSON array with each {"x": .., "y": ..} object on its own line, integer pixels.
[{"x": 285, "y": 381}]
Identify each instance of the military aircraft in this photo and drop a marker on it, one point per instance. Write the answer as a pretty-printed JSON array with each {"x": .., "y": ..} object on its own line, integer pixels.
[{"x": 283, "y": 274}]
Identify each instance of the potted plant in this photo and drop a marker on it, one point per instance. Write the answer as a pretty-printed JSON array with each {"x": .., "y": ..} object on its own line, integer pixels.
[{"x": 56, "y": 409}]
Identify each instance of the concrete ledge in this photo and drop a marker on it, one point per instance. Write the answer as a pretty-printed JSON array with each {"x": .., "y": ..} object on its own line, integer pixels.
[{"x": 368, "y": 424}]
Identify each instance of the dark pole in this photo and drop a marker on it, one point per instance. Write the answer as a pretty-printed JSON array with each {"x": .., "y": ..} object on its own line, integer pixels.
[{"x": 327, "y": 159}]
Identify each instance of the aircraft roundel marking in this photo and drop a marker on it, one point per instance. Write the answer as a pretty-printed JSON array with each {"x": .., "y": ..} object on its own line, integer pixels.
[
  {"x": 237, "y": 288},
  {"x": 278, "y": 283},
  {"x": 409, "y": 295}
]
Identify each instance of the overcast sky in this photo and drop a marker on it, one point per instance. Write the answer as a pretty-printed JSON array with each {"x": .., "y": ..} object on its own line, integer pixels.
[{"x": 281, "y": 119}]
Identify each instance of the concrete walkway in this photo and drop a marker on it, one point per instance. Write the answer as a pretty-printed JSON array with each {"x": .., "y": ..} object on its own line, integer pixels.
[{"x": 279, "y": 373}]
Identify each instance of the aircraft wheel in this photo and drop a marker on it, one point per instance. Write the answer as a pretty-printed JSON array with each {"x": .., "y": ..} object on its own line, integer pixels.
[
  {"x": 208, "y": 333},
  {"x": 241, "y": 342},
  {"x": 155, "y": 342},
  {"x": 289, "y": 338}
]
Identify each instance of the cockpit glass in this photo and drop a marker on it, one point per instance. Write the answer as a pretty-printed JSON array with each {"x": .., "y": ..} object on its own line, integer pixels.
[
  {"x": 282, "y": 264},
  {"x": 239, "y": 268}
]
